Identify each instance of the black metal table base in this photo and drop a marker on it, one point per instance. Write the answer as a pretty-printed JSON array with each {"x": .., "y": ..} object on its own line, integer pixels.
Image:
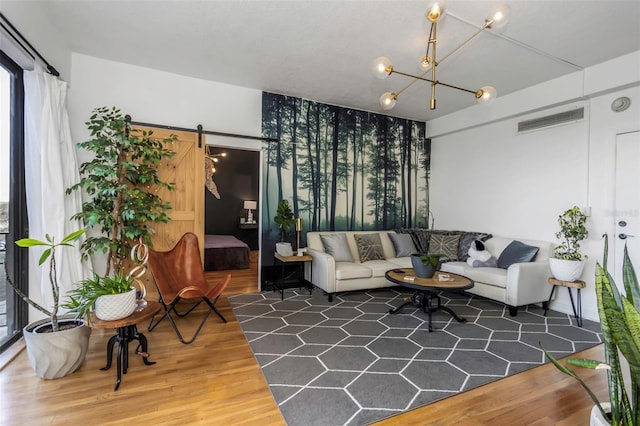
[
  {"x": 283, "y": 278},
  {"x": 123, "y": 336},
  {"x": 424, "y": 299},
  {"x": 577, "y": 313}
]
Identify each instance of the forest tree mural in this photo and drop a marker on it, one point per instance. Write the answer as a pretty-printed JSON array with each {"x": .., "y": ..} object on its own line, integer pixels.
[{"x": 341, "y": 169}]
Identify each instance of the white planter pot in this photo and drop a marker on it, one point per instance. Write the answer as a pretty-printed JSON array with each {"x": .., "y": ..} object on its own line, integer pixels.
[
  {"x": 566, "y": 270},
  {"x": 113, "y": 307},
  {"x": 596, "y": 415},
  {"x": 55, "y": 355}
]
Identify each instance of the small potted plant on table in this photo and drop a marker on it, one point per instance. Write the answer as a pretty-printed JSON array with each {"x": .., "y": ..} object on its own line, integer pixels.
[{"x": 425, "y": 265}]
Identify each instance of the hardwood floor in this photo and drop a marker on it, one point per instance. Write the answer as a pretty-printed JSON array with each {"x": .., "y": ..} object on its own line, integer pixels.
[{"x": 216, "y": 380}]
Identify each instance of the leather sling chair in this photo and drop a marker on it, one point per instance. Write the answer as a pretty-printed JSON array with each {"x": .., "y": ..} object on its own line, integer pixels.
[{"x": 179, "y": 275}]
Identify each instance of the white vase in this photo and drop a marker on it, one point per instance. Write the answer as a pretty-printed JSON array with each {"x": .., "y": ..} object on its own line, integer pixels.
[
  {"x": 113, "y": 307},
  {"x": 284, "y": 249},
  {"x": 566, "y": 270},
  {"x": 57, "y": 354},
  {"x": 596, "y": 415}
]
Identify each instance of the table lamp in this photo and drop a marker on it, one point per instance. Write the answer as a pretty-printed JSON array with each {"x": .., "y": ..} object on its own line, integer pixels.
[{"x": 250, "y": 205}]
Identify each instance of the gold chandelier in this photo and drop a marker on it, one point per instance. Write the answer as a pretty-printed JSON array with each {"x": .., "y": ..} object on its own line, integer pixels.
[{"x": 383, "y": 68}]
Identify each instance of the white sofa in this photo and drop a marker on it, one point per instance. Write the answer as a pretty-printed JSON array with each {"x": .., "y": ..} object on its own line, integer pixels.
[
  {"x": 521, "y": 284},
  {"x": 336, "y": 277}
]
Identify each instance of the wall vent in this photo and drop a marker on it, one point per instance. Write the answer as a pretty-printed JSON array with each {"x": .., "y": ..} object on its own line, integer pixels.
[{"x": 551, "y": 120}]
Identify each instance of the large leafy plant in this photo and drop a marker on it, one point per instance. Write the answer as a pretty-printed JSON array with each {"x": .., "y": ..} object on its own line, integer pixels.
[
  {"x": 48, "y": 254},
  {"x": 572, "y": 231},
  {"x": 121, "y": 182},
  {"x": 620, "y": 323}
]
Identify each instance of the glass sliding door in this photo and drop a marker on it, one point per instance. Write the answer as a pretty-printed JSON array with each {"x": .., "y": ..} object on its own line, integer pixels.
[{"x": 13, "y": 217}]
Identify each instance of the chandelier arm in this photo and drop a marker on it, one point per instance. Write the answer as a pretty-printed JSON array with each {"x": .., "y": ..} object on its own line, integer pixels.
[{"x": 417, "y": 77}]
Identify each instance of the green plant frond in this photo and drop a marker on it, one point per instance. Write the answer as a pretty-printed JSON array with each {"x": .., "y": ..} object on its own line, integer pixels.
[
  {"x": 44, "y": 256},
  {"x": 30, "y": 242},
  {"x": 628, "y": 336},
  {"x": 588, "y": 363},
  {"x": 630, "y": 280},
  {"x": 73, "y": 236}
]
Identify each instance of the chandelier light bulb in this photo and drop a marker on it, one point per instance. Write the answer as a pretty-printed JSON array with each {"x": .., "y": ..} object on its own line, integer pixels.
[
  {"x": 382, "y": 67},
  {"x": 388, "y": 100},
  {"x": 424, "y": 64},
  {"x": 499, "y": 15},
  {"x": 486, "y": 95},
  {"x": 435, "y": 11}
]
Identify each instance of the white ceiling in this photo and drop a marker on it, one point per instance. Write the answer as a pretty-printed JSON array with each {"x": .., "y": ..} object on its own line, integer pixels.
[{"x": 323, "y": 50}]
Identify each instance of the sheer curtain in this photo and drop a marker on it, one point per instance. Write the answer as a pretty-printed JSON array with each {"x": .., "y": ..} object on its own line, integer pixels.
[{"x": 51, "y": 166}]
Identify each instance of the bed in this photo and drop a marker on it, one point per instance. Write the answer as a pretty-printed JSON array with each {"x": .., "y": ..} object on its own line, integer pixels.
[{"x": 225, "y": 252}]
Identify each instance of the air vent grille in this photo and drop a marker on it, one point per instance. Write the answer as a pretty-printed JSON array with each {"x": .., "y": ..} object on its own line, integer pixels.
[{"x": 551, "y": 120}]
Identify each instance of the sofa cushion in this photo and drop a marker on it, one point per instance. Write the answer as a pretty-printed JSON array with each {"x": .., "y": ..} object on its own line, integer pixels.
[
  {"x": 446, "y": 245},
  {"x": 369, "y": 247},
  {"x": 403, "y": 244},
  {"x": 493, "y": 276},
  {"x": 516, "y": 252},
  {"x": 336, "y": 245},
  {"x": 350, "y": 270},
  {"x": 379, "y": 267}
]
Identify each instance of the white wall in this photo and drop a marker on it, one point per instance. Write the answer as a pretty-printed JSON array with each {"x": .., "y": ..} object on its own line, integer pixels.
[
  {"x": 486, "y": 177},
  {"x": 158, "y": 97}
]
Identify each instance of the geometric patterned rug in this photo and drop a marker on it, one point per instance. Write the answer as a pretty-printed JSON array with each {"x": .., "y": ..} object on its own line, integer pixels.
[{"x": 348, "y": 362}]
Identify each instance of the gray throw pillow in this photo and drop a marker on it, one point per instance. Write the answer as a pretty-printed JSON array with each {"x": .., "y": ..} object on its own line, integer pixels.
[
  {"x": 516, "y": 252},
  {"x": 336, "y": 245},
  {"x": 403, "y": 244},
  {"x": 369, "y": 247},
  {"x": 446, "y": 245}
]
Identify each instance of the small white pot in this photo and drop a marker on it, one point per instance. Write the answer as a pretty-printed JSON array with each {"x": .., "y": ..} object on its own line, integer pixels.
[
  {"x": 596, "y": 415},
  {"x": 113, "y": 307},
  {"x": 284, "y": 249},
  {"x": 566, "y": 270}
]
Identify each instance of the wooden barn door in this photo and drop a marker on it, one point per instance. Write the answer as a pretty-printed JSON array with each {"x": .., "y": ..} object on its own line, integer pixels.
[{"x": 186, "y": 171}]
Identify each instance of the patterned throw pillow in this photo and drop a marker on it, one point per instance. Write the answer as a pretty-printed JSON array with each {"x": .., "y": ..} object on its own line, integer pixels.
[
  {"x": 446, "y": 245},
  {"x": 369, "y": 247}
]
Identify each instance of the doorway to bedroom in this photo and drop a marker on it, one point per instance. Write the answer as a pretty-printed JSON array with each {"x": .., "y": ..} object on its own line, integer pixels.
[{"x": 231, "y": 222}]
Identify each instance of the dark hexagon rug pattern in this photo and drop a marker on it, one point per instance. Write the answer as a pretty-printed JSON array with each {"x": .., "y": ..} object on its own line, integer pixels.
[{"x": 349, "y": 362}]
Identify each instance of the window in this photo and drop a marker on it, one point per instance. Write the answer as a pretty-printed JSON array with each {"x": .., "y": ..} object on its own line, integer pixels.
[{"x": 13, "y": 213}]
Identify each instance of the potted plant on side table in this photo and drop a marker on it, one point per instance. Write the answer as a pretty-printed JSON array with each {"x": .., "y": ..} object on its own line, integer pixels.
[
  {"x": 284, "y": 218},
  {"x": 620, "y": 324},
  {"x": 58, "y": 345},
  {"x": 567, "y": 262}
]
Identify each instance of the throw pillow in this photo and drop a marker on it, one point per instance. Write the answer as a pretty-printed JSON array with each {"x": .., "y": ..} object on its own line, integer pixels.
[
  {"x": 516, "y": 252},
  {"x": 369, "y": 247},
  {"x": 403, "y": 244},
  {"x": 336, "y": 245},
  {"x": 446, "y": 245}
]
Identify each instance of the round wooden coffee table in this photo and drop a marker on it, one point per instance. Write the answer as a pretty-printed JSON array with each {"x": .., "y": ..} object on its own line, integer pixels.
[{"x": 426, "y": 290}]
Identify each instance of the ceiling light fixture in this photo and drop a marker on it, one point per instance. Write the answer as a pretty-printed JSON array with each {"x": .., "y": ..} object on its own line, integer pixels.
[{"x": 383, "y": 68}]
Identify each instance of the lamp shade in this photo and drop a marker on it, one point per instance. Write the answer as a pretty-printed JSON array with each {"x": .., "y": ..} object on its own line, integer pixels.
[
  {"x": 388, "y": 100},
  {"x": 381, "y": 67},
  {"x": 250, "y": 205},
  {"x": 486, "y": 95}
]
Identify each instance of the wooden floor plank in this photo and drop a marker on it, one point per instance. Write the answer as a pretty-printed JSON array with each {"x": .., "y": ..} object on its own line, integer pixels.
[{"x": 216, "y": 380}]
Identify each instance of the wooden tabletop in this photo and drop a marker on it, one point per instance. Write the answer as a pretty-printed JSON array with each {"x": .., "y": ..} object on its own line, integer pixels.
[
  {"x": 149, "y": 311},
  {"x": 573, "y": 284},
  {"x": 454, "y": 282},
  {"x": 294, "y": 258}
]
